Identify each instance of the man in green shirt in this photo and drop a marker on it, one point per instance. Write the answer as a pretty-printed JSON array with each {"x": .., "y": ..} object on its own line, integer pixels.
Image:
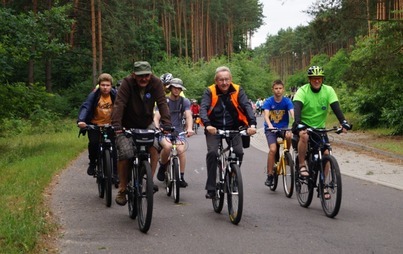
[{"x": 311, "y": 106}]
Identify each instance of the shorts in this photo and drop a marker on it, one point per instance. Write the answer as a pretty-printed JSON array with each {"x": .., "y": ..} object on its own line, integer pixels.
[
  {"x": 125, "y": 148},
  {"x": 271, "y": 137}
]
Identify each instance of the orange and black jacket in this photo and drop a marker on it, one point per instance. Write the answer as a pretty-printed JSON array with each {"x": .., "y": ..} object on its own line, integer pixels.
[{"x": 226, "y": 111}]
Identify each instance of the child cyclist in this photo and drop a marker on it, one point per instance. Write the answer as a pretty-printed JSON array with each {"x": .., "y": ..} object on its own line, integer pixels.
[{"x": 277, "y": 109}]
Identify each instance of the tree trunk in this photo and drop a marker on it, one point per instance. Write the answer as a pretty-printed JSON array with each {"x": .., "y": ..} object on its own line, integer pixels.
[
  {"x": 100, "y": 48},
  {"x": 94, "y": 45}
]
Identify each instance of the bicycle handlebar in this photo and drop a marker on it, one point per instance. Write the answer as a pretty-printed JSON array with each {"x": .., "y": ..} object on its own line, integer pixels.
[{"x": 228, "y": 132}]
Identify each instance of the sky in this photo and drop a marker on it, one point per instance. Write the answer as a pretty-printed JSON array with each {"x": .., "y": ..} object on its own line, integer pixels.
[{"x": 281, "y": 14}]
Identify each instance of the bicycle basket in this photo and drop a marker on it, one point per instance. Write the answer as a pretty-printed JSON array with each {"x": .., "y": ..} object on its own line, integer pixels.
[{"x": 143, "y": 136}]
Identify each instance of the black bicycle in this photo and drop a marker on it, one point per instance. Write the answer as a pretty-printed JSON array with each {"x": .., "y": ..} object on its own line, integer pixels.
[
  {"x": 105, "y": 165},
  {"x": 140, "y": 185},
  {"x": 172, "y": 175},
  {"x": 229, "y": 177},
  {"x": 324, "y": 173},
  {"x": 284, "y": 165}
]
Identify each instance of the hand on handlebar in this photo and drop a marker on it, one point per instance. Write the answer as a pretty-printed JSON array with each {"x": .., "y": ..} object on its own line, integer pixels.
[{"x": 212, "y": 130}]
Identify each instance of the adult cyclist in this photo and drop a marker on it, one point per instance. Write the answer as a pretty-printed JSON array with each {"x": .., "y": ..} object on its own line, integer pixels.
[{"x": 311, "y": 106}]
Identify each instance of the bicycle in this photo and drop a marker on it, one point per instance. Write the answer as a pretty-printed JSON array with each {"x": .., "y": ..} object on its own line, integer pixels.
[
  {"x": 324, "y": 173},
  {"x": 105, "y": 165},
  {"x": 140, "y": 185},
  {"x": 173, "y": 170},
  {"x": 196, "y": 122},
  {"x": 229, "y": 177},
  {"x": 284, "y": 165}
]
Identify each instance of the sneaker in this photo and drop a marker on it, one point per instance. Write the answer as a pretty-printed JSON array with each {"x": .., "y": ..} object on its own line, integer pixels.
[
  {"x": 210, "y": 194},
  {"x": 91, "y": 169},
  {"x": 161, "y": 172},
  {"x": 269, "y": 180},
  {"x": 183, "y": 183},
  {"x": 121, "y": 198},
  {"x": 155, "y": 188}
]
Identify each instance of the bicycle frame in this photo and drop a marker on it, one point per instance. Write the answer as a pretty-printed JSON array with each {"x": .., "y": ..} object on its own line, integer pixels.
[
  {"x": 324, "y": 174},
  {"x": 229, "y": 177},
  {"x": 172, "y": 174},
  {"x": 105, "y": 162},
  {"x": 140, "y": 184}
]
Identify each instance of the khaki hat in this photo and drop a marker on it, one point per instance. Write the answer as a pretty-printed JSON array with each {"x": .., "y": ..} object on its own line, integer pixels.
[
  {"x": 142, "y": 68},
  {"x": 176, "y": 82}
]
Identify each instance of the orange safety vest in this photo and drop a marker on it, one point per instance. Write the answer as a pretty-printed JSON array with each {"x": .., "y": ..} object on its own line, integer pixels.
[{"x": 234, "y": 99}]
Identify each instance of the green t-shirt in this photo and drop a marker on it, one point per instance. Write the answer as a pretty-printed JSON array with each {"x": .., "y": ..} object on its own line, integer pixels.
[{"x": 315, "y": 105}]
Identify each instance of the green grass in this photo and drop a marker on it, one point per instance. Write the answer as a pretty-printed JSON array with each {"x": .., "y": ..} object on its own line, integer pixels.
[
  {"x": 27, "y": 165},
  {"x": 382, "y": 137}
]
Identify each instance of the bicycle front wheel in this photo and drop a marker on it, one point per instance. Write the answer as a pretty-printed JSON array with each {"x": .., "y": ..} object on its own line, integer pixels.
[
  {"x": 175, "y": 182},
  {"x": 100, "y": 178},
  {"x": 273, "y": 187},
  {"x": 131, "y": 197},
  {"x": 288, "y": 175},
  {"x": 303, "y": 187},
  {"x": 145, "y": 196},
  {"x": 195, "y": 127},
  {"x": 218, "y": 200},
  {"x": 107, "y": 172},
  {"x": 234, "y": 193},
  {"x": 330, "y": 187}
]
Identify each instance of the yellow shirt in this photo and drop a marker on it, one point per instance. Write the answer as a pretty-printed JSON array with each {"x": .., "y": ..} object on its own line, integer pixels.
[{"x": 103, "y": 111}]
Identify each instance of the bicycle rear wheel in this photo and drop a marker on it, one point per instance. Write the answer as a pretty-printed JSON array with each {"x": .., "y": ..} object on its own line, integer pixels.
[
  {"x": 145, "y": 197},
  {"x": 273, "y": 187},
  {"x": 331, "y": 182},
  {"x": 303, "y": 187},
  {"x": 175, "y": 178},
  {"x": 107, "y": 172},
  {"x": 195, "y": 127},
  {"x": 288, "y": 175},
  {"x": 218, "y": 200},
  {"x": 234, "y": 193}
]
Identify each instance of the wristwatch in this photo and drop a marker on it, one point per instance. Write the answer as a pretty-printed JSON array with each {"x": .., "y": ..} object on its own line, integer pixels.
[{"x": 253, "y": 126}]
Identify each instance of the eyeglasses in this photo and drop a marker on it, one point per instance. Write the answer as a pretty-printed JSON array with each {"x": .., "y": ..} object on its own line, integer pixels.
[{"x": 222, "y": 80}]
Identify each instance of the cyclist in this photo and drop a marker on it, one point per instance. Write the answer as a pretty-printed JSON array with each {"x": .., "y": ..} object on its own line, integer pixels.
[
  {"x": 133, "y": 108},
  {"x": 179, "y": 108},
  {"x": 225, "y": 106},
  {"x": 311, "y": 105},
  {"x": 259, "y": 104},
  {"x": 195, "y": 109},
  {"x": 277, "y": 109},
  {"x": 97, "y": 110}
]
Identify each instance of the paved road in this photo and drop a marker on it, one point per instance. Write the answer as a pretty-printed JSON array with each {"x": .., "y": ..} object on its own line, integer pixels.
[{"x": 370, "y": 219}]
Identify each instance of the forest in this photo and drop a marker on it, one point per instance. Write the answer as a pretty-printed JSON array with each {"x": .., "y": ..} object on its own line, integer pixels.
[{"x": 51, "y": 52}]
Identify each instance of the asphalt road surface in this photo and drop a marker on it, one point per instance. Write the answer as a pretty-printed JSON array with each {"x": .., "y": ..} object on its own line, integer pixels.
[{"x": 370, "y": 219}]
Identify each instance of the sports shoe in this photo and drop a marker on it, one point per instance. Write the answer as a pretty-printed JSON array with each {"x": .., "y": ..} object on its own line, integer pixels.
[
  {"x": 210, "y": 194},
  {"x": 183, "y": 183},
  {"x": 161, "y": 172},
  {"x": 269, "y": 180},
  {"x": 91, "y": 169},
  {"x": 121, "y": 198},
  {"x": 155, "y": 188}
]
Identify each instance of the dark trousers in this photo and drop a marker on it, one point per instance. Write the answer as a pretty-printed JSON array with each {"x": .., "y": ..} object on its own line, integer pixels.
[
  {"x": 94, "y": 137},
  {"x": 213, "y": 142}
]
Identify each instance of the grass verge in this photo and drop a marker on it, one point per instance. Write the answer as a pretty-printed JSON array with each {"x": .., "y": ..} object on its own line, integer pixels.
[{"x": 27, "y": 165}]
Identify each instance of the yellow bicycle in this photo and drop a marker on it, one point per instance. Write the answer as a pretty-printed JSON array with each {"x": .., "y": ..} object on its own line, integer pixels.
[{"x": 284, "y": 163}]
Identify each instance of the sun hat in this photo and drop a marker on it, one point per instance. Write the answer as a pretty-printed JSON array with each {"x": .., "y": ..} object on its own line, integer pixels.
[{"x": 176, "y": 82}]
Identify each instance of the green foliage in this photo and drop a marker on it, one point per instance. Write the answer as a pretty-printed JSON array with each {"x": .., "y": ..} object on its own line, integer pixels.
[{"x": 27, "y": 165}]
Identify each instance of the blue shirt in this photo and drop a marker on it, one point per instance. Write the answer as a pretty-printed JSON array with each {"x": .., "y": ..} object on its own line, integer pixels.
[{"x": 279, "y": 116}]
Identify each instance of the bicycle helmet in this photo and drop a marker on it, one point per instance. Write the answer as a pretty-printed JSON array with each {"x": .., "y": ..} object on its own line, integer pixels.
[
  {"x": 315, "y": 71},
  {"x": 176, "y": 82},
  {"x": 166, "y": 78}
]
